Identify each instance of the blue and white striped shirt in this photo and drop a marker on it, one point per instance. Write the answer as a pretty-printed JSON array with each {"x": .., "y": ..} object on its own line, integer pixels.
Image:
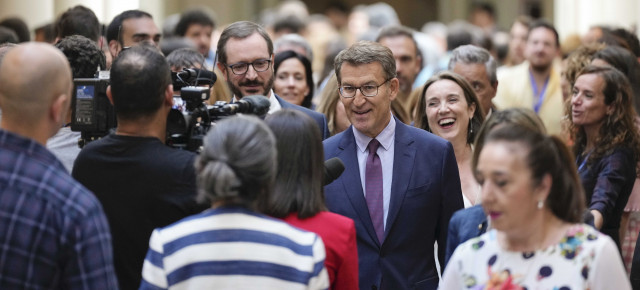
[{"x": 234, "y": 248}]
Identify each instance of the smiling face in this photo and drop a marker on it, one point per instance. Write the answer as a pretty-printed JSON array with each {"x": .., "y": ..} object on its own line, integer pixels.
[
  {"x": 248, "y": 50},
  {"x": 587, "y": 101},
  {"x": 291, "y": 81},
  {"x": 369, "y": 115},
  {"x": 448, "y": 112},
  {"x": 509, "y": 197}
]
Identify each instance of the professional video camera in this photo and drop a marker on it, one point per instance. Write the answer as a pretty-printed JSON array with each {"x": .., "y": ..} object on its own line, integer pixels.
[
  {"x": 92, "y": 113},
  {"x": 190, "y": 121}
]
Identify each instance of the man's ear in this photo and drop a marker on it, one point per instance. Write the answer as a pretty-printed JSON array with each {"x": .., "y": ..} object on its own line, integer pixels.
[
  {"x": 59, "y": 108},
  {"x": 168, "y": 95},
  {"x": 114, "y": 48},
  {"x": 394, "y": 86},
  {"x": 223, "y": 69},
  {"x": 109, "y": 95}
]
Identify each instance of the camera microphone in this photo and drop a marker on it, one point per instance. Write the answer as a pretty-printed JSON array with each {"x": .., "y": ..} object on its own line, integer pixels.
[
  {"x": 197, "y": 76},
  {"x": 333, "y": 168},
  {"x": 256, "y": 105}
]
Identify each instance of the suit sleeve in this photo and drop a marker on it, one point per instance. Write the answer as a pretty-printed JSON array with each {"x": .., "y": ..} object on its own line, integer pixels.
[{"x": 451, "y": 199}]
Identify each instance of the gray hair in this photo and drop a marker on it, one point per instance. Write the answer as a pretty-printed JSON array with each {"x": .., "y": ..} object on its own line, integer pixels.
[
  {"x": 294, "y": 39},
  {"x": 241, "y": 30},
  {"x": 366, "y": 52},
  {"x": 237, "y": 165},
  {"x": 473, "y": 54}
]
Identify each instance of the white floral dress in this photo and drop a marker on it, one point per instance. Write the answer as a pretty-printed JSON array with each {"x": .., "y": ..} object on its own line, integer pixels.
[{"x": 583, "y": 259}]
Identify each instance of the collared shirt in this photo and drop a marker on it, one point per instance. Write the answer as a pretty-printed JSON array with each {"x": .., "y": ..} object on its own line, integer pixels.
[
  {"x": 53, "y": 232},
  {"x": 385, "y": 152},
  {"x": 275, "y": 105}
]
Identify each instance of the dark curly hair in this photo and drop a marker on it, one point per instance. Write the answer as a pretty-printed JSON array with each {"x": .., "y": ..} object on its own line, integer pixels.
[{"x": 85, "y": 57}]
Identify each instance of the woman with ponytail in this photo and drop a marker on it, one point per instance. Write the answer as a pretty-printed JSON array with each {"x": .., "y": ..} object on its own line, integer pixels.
[{"x": 533, "y": 198}]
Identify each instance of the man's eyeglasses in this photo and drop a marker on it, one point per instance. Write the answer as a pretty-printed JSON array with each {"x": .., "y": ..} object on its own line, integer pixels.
[
  {"x": 366, "y": 90},
  {"x": 259, "y": 65}
]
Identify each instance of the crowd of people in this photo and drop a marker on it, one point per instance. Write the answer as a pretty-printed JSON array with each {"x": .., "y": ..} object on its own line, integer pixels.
[{"x": 466, "y": 162}]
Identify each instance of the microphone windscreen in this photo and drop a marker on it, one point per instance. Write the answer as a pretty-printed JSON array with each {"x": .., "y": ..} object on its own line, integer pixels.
[
  {"x": 333, "y": 168},
  {"x": 259, "y": 104}
]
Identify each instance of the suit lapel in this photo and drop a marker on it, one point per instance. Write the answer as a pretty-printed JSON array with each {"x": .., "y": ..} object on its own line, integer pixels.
[
  {"x": 403, "y": 160},
  {"x": 352, "y": 182}
]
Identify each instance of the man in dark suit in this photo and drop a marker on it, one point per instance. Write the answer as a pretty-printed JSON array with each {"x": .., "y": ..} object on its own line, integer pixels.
[
  {"x": 400, "y": 184},
  {"x": 245, "y": 57}
]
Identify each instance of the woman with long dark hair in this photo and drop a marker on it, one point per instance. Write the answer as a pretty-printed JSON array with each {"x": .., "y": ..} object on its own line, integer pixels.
[
  {"x": 293, "y": 79},
  {"x": 298, "y": 196}
]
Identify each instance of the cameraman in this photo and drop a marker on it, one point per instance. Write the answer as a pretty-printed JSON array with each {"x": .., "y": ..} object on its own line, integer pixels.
[
  {"x": 142, "y": 183},
  {"x": 85, "y": 57}
]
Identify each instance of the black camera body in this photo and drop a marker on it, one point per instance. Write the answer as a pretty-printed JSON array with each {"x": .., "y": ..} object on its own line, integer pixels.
[
  {"x": 92, "y": 113},
  {"x": 187, "y": 123},
  {"x": 186, "y": 129}
]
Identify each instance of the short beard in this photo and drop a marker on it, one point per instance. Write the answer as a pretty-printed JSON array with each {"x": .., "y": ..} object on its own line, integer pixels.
[
  {"x": 540, "y": 68},
  {"x": 238, "y": 93}
]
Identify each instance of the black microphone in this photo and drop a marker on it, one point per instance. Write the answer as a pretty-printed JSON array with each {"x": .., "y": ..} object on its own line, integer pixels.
[
  {"x": 257, "y": 105},
  {"x": 200, "y": 76},
  {"x": 333, "y": 168}
]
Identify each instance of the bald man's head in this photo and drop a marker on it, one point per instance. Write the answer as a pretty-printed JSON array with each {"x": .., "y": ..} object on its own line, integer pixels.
[{"x": 33, "y": 76}]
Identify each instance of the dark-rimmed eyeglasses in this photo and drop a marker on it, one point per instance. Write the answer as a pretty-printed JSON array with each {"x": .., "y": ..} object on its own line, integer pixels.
[
  {"x": 259, "y": 65},
  {"x": 366, "y": 90}
]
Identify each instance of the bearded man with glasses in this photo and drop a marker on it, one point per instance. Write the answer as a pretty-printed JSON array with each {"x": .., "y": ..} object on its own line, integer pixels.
[
  {"x": 245, "y": 57},
  {"x": 400, "y": 185}
]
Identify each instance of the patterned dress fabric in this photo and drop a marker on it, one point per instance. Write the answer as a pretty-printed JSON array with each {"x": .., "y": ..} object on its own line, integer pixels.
[{"x": 583, "y": 259}]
